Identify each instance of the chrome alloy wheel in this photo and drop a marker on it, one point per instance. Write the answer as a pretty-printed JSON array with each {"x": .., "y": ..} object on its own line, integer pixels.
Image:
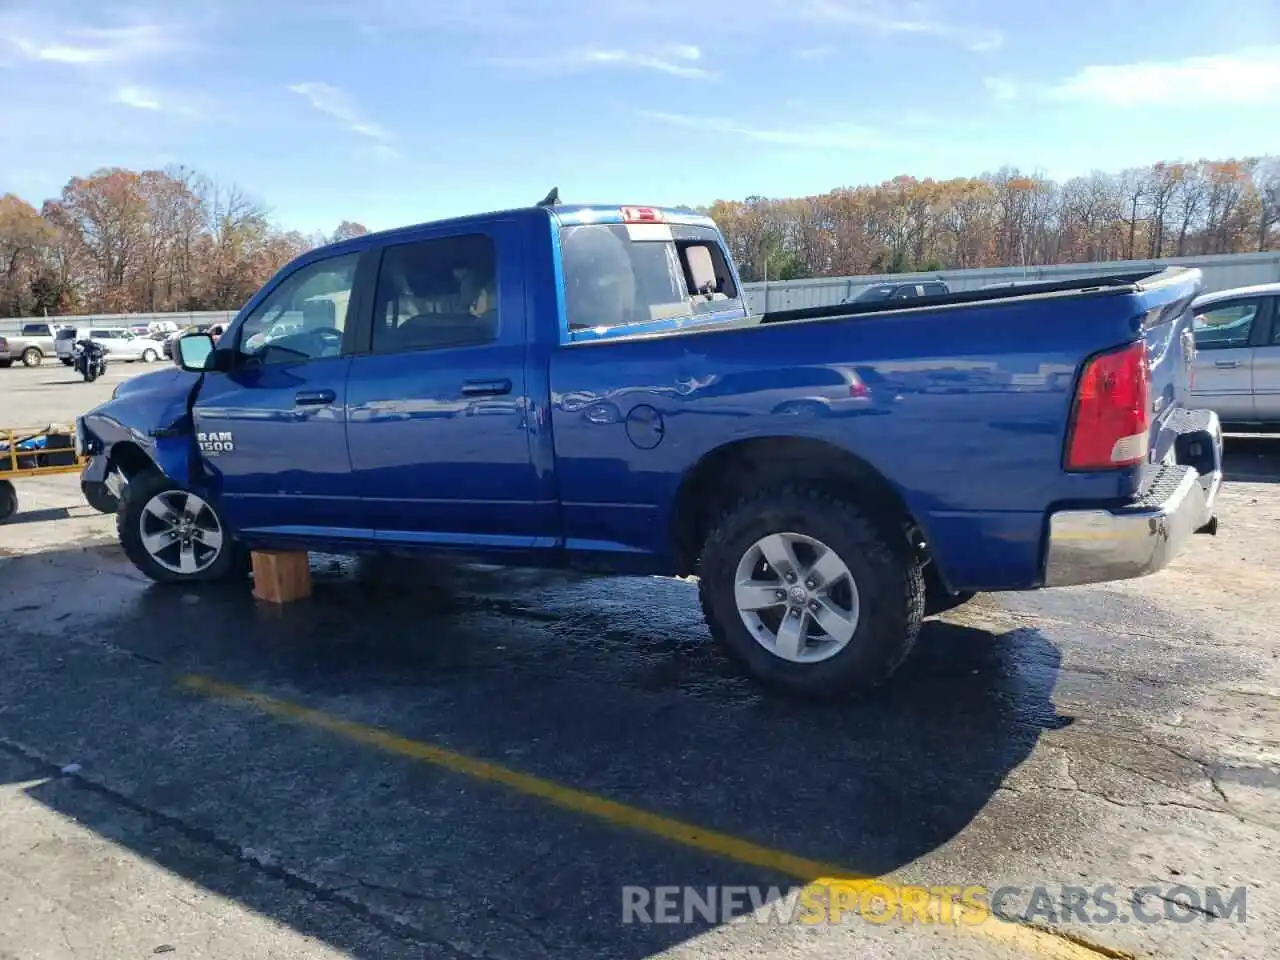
[
  {"x": 796, "y": 597},
  {"x": 181, "y": 532}
]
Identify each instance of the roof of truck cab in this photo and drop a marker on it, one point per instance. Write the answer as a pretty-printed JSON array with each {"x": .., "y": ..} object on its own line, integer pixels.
[{"x": 566, "y": 214}]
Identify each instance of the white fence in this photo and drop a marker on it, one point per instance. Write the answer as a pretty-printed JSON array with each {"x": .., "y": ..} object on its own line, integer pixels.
[
  {"x": 1220, "y": 273},
  {"x": 12, "y": 326}
]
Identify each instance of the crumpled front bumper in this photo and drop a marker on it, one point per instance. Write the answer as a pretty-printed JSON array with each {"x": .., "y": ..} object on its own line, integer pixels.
[{"x": 1096, "y": 546}]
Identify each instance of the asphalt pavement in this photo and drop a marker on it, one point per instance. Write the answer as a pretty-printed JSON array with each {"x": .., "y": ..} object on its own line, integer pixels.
[{"x": 427, "y": 760}]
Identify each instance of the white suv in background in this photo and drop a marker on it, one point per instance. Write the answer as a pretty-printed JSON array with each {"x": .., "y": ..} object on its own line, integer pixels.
[{"x": 124, "y": 344}]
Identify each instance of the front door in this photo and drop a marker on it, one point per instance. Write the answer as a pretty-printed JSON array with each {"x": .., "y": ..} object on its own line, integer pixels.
[
  {"x": 440, "y": 417},
  {"x": 1224, "y": 358},
  {"x": 272, "y": 430},
  {"x": 1266, "y": 368}
]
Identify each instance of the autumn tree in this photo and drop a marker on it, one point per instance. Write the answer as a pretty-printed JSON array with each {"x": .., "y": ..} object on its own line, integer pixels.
[
  {"x": 24, "y": 238},
  {"x": 348, "y": 230}
]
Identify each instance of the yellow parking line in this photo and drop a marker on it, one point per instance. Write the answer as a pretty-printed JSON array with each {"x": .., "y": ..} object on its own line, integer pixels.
[{"x": 1033, "y": 940}]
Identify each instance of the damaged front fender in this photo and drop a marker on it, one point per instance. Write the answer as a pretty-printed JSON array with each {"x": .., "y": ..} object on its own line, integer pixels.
[{"x": 147, "y": 424}]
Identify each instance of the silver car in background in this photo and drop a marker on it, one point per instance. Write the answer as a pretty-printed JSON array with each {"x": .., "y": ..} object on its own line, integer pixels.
[{"x": 1237, "y": 365}]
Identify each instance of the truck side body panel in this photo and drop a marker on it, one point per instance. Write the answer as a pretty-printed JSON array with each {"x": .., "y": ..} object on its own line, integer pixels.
[{"x": 963, "y": 411}]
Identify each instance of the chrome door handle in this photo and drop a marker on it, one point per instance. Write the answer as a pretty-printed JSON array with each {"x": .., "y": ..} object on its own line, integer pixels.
[
  {"x": 1226, "y": 364},
  {"x": 313, "y": 398},
  {"x": 486, "y": 388}
]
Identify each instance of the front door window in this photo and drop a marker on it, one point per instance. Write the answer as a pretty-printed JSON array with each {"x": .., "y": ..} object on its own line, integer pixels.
[{"x": 303, "y": 319}]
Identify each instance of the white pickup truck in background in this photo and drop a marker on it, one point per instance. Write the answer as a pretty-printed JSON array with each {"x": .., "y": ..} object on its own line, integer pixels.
[
  {"x": 1237, "y": 366},
  {"x": 32, "y": 345}
]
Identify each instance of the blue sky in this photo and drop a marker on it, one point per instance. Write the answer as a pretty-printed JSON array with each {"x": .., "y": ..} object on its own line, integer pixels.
[{"x": 396, "y": 111}]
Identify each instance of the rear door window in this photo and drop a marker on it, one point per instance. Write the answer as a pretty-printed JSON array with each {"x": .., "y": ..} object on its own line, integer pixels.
[
  {"x": 614, "y": 275},
  {"x": 437, "y": 293},
  {"x": 1224, "y": 326}
]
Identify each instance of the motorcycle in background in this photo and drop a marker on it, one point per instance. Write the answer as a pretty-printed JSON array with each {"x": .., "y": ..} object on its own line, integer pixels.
[{"x": 89, "y": 359}]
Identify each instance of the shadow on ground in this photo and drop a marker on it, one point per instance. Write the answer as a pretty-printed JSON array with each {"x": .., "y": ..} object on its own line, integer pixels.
[
  {"x": 1254, "y": 458},
  {"x": 605, "y": 686}
]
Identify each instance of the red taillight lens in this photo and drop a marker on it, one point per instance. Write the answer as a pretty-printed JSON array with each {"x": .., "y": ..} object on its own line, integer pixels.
[
  {"x": 1112, "y": 415},
  {"x": 642, "y": 215}
]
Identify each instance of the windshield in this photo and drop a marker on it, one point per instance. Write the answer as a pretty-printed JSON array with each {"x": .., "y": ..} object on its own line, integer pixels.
[{"x": 612, "y": 279}]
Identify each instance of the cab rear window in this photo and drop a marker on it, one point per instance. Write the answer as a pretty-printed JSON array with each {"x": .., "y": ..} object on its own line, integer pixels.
[{"x": 615, "y": 276}]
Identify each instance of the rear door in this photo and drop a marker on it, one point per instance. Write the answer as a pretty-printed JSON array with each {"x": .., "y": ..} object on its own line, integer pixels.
[
  {"x": 1224, "y": 333},
  {"x": 1266, "y": 366},
  {"x": 439, "y": 428}
]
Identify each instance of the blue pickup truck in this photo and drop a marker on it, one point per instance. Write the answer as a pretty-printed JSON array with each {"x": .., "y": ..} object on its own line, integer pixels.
[{"x": 586, "y": 386}]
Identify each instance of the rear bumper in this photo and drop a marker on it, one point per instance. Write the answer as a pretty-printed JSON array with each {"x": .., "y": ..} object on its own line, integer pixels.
[{"x": 1095, "y": 546}]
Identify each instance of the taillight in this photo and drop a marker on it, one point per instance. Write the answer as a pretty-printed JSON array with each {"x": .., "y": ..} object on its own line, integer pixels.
[
  {"x": 1111, "y": 420},
  {"x": 642, "y": 215}
]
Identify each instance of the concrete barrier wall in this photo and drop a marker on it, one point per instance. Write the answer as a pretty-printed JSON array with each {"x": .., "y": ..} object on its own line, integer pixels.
[{"x": 1220, "y": 273}]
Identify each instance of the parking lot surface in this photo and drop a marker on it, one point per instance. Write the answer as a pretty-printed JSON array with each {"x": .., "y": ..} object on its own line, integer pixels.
[{"x": 436, "y": 761}]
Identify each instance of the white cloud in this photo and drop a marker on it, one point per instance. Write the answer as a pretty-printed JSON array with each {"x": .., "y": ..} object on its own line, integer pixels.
[
  {"x": 338, "y": 104},
  {"x": 1002, "y": 88},
  {"x": 639, "y": 26},
  {"x": 890, "y": 17},
  {"x": 677, "y": 60},
  {"x": 80, "y": 45},
  {"x": 828, "y": 135},
  {"x": 1246, "y": 77},
  {"x": 136, "y": 97}
]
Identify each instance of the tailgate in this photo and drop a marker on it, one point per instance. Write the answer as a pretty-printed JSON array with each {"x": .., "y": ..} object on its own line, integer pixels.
[{"x": 1167, "y": 328}]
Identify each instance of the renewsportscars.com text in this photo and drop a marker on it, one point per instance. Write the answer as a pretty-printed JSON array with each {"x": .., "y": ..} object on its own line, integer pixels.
[{"x": 832, "y": 902}]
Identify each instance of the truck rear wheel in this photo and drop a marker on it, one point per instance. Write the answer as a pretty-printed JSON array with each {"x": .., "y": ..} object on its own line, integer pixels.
[
  {"x": 32, "y": 357},
  {"x": 171, "y": 534},
  {"x": 804, "y": 590}
]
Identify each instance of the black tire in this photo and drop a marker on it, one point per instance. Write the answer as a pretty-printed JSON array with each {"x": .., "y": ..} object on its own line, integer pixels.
[
  {"x": 5, "y": 364},
  {"x": 91, "y": 375},
  {"x": 936, "y": 597},
  {"x": 66, "y": 362},
  {"x": 32, "y": 357},
  {"x": 889, "y": 581},
  {"x": 8, "y": 500},
  {"x": 99, "y": 497},
  {"x": 149, "y": 356},
  {"x": 138, "y": 494}
]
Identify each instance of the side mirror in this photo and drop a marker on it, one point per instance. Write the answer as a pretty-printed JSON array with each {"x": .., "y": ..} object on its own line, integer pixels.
[{"x": 194, "y": 352}]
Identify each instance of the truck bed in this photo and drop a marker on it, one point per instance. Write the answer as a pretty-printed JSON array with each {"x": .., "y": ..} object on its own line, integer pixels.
[{"x": 1116, "y": 284}]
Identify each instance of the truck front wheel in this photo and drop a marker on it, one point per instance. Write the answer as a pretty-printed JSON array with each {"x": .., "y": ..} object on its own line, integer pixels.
[
  {"x": 99, "y": 496},
  {"x": 803, "y": 589},
  {"x": 171, "y": 534}
]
